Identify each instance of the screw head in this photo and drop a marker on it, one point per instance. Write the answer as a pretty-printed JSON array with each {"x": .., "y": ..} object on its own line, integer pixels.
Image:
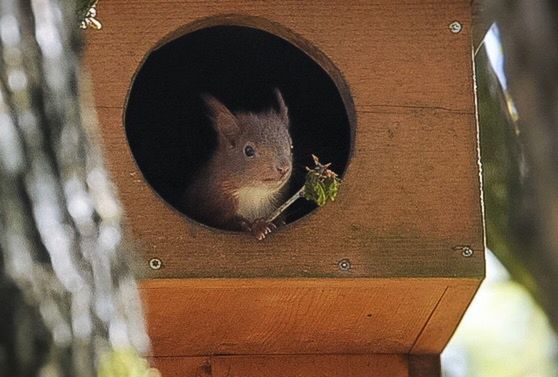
[
  {"x": 455, "y": 27},
  {"x": 467, "y": 252},
  {"x": 155, "y": 263},
  {"x": 344, "y": 265}
]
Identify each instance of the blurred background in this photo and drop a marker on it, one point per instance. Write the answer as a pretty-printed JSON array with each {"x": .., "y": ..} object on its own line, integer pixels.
[{"x": 58, "y": 208}]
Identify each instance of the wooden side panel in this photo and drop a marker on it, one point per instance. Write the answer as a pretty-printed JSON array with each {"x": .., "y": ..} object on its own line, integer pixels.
[
  {"x": 411, "y": 192},
  {"x": 355, "y": 316},
  {"x": 311, "y": 366}
]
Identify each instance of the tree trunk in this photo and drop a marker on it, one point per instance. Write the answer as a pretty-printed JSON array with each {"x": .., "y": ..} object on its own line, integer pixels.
[{"x": 67, "y": 294}]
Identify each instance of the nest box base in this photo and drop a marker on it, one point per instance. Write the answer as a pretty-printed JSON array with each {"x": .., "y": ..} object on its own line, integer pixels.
[{"x": 272, "y": 324}]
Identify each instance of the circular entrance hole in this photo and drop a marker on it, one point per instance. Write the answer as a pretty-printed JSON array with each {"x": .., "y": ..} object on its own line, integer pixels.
[{"x": 168, "y": 124}]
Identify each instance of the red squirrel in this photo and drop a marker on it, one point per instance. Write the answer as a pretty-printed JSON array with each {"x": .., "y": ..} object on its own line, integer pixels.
[{"x": 247, "y": 176}]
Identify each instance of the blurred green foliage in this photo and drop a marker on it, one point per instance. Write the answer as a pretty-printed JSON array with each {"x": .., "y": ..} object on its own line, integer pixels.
[{"x": 505, "y": 183}]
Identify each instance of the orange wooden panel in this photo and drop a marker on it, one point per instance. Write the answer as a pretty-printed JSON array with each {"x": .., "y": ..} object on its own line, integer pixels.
[
  {"x": 392, "y": 53},
  {"x": 448, "y": 313},
  {"x": 311, "y": 366},
  {"x": 294, "y": 316}
]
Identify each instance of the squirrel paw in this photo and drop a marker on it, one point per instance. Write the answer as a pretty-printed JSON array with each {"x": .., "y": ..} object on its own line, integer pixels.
[{"x": 261, "y": 228}]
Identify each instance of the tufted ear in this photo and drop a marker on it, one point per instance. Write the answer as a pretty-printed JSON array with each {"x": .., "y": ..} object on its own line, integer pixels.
[
  {"x": 224, "y": 122},
  {"x": 283, "y": 111}
]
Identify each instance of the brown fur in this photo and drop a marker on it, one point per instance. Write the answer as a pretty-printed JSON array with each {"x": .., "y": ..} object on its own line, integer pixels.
[{"x": 232, "y": 189}]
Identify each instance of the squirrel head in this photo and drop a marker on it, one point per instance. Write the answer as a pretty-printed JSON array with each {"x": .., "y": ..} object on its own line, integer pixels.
[{"x": 254, "y": 149}]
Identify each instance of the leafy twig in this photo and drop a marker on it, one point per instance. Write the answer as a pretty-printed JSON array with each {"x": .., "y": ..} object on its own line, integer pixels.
[{"x": 321, "y": 186}]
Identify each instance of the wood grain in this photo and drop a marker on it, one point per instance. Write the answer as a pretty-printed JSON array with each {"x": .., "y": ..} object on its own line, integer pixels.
[
  {"x": 311, "y": 366},
  {"x": 340, "y": 365},
  {"x": 447, "y": 314},
  {"x": 194, "y": 317},
  {"x": 391, "y": 53},
  {"x": 285, "y": 366},
  {"x": 412, "y": 190},
  {"x": 182, "y": 366}
]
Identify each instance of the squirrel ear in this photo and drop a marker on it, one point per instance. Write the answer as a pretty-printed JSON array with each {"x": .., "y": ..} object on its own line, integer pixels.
[
  {"x": 283, "y": 111},
  {"x": 224, "y": 122}
]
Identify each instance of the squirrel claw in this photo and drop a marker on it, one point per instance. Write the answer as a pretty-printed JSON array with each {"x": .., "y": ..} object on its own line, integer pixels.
[{"x": 261, "y": 227}]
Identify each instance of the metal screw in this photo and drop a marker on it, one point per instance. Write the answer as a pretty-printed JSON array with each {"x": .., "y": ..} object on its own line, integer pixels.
[
  {"x": 155, "y": 263},
  {"x": 344, "y": 265},
  {"x": 466, "y": 251},
  {"x": 455, "y": 27}
]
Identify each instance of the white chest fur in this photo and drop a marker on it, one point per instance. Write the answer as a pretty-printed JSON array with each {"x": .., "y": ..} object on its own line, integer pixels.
[{"x": 255, "y": 202}]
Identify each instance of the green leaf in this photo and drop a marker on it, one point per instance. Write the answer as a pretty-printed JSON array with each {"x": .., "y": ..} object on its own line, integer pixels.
[{"x": 322, "y": 184}]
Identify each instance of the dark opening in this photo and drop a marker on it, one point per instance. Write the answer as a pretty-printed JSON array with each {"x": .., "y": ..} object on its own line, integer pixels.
[{"x": 166, "y": 120}]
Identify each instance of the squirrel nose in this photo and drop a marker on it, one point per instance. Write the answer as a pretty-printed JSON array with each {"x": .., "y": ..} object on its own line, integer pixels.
[{"x": 283, "y": 169}]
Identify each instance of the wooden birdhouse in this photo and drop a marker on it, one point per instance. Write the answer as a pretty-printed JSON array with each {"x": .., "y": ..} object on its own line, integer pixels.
[{"x": 372, "y": 284}]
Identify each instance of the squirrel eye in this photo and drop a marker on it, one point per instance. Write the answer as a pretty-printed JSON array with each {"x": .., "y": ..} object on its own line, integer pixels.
[{"x": 249, "y": 151}]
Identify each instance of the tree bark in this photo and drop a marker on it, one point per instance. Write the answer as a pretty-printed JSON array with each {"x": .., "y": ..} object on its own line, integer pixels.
[{"x": 67, "y": 293}]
